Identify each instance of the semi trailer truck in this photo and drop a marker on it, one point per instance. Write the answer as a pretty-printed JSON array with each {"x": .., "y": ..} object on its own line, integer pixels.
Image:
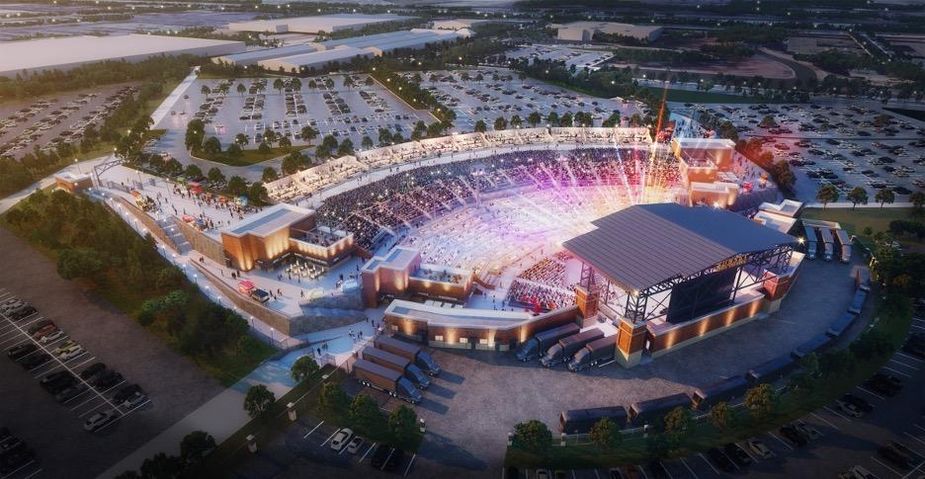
[
  {"x": 384, "y": 379},
  {"x": 568, "y": 346},
  {"x": 416, "y": 354},
  {"x": 537, "y": 345},
  {"x": 397, "y": 363},
  {"x": 594, "y": 353}
]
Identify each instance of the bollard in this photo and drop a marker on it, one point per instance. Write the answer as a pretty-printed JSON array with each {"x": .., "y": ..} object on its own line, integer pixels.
[
  {"x": 645, "y": 431},
  {"x": 251, "y": 443},
  {"x": 422, "y": 425},
  {"x": 562, "y": 441},
  {"x": 292, "y": 412},
  {"x": 510, "y": 439}
]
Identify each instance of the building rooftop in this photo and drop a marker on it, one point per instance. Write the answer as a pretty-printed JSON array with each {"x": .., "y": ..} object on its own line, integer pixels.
[
  {"x": 394, "y": 40},
  {"x": 315, "y": 24},
  {"x": 456, "y": 317},
  {"x": 646, "y": 244},
  {"x": 315, "y": 58},
  {"x": 47, "y": 53},
  {"x": 704, "y": 142},
  {"x": 253, "y": 56},
  {"x": 268, "y": 221}
]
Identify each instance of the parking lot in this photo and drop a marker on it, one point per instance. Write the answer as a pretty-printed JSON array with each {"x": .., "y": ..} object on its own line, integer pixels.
[
  {"x": 580, "y": 57},
  {"x": 487, "y": 93},
  {"x": 846, "y": 145},
  {"x": 55, "y": 120},
  {"x": 324, "y": 103},
  {"x": 55, "y": 430}
]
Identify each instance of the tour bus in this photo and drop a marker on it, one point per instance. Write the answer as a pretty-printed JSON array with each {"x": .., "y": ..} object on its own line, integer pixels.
[
  {"x": 828, "y": 243},
  {"x": 810, "y": 241},
  {"x": 844, "y": 244}
]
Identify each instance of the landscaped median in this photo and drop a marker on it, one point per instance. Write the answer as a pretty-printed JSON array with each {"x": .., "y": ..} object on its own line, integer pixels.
[
  {"x": 820, "y": 381},
  {"x": 319, "y": 396}
]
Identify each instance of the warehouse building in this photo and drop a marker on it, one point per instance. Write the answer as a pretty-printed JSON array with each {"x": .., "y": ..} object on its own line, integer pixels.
[
  {"x": 307, "y": 62},
  {"x": 416, "y": 38},
  {"x": 315, "y": 24},
  {"x": 584, "y": 31},
  {"x": 254, "y": 56},
  {"x": 458, "y": 24},
  {"x": 67, "y": 53}
]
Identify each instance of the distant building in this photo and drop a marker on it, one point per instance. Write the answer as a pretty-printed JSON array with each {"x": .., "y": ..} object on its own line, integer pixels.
[
  {"x": 315, "y": 24},
  {"x": 458, "y": 24},
  {"x": 584, "y": 31},
  {"x": 71, "y": 52}
]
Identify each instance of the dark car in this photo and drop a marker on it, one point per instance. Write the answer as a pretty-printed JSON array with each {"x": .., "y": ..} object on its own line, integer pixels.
[
  {"x": 69, "y": 393},
  {"x": 895, "y": 457},
  {"x": 737, "y": 454},
  {"x": 884, "y": 384},
  {"x": 657, "y": 470},
  {"x": 380, "y": 455},
  {"x": 21, "y": 351},
  {"x": 23, "y": 313},
  {"x": 34, "y": 360},
  {"x": 793, "y": 435},
  {"x": 858, "y": 402},
  {"x": 92, "y": 371},
  {"x": 39, "y": 325},
  {"x": 720, "y": 460},
  {"x": 127, "y": 392},
  {"x": 107, "y": 380}
]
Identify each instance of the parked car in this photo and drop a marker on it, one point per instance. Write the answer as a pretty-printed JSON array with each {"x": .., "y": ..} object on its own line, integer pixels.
[
  {"x": 70, "y": 393},
  {"x": 809, "y": 431},
  {"x": 379, "y": 455},
  {"x": 857, "y": 472},
  {"x": 354, "y": 445},
  {"x": 860, "y": 403},
  {"x": 92, "y": 371},
  {"x": 21, "y": 351},
  {"x": 793, "y": 435},
  {"x": 100, "y": 420},
  {"x": 394, "y": 460},
  {"x": 737, "y": 454},
  {"x": 34, "y": 328},
  {"x": 130, "y": 396},
  {"x": 759, "y": 448},
  {"x": 34, "y": 360},
  {"x": 847, "y": 408},
  {"x": 107, "y": 380},
  {"x": 341, "y": 438},
  {"x": 51, "y": 336}
]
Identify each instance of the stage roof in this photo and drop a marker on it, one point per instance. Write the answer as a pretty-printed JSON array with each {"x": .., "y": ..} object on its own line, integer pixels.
[{"x": 646, "y": 244}]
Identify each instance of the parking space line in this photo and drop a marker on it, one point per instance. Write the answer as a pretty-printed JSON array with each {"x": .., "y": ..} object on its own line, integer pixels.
[
  {"x": 846, "y": 418},
  {"x": 309, "y": 433},
  {"x": 14, "y": 471},
  {"x": 329, "y": 438},
  {"x": 689, "y": 469},
  {"x": 824, "y": 420},
  {"x": 900, "y": 363},
  {"x": 914, "y": 438},
  {"x": 596, "y": 474},
  {"x": 35, "y": 473},
  {"x": 700, "y": 455},
  {"x": 898, "y": 373},
  {"x": 386, "y": 461},
  {"x": 894, "y": 471},
  {"x": 871, "y": 393},
  {"x": 788, "y": 446},
  {"x": 367, "y": 452},
  {"x": 408, "y": 469},
  {"x": 920, "y": 427},
  {"x": 90, "y": 411},
  {"x": 906, "y": 356}
]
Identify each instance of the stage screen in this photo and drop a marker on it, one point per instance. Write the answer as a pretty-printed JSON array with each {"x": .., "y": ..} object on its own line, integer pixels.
[{"x": 695, "y": 297}]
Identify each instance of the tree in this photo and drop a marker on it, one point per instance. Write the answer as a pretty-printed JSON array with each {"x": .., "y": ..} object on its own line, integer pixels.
[
  {"x": 195, "y": 446},
  {"x": 241, "y": 89},
  {"x": 516, "y": 121},
  {"x": 918, "y": 203},
  {"x": 760, "y": 400},
  {"x": 345, "y": 147},
  {"x": 192, "y": 171},
  {"x": 857, "y": 195},
  {"x": 366, "y": 417},
  {"x": 79, "y": 263},
  {"x": 258, "y": 400},
  {"x": 534, "y": 118},
  {"x": 532, "y": 436},
  {"x": 241, "y": 139},
  {"x": 552, "y": 118},
  {"x": 366, "y": 142},
  {"x": 295, "y": 84},
  {"x": 606, "y": 435},
  {"x": 872, "y": 344},
  {"x": 303, "y": 368},
  {"x": 264, "y": 148},
  {"x": 212, "y": 146},
  {"x": 292, "y": 163},
  {"x": 257, "y": 193},
  {"x": 827, "y": 194},
  {"x": 480, "y": 126},
  {"x": 236, "y": 186},
  {"x": 885, "y": 195},
  {"x": 234, "y": 151},
  {"x": 719, "y": 415},
  {"x": 278, "y": 85},
  {"x": 333, "y": 400},
  {"x": 285, "y": 142},
  {"x": 269, "y": 174},
  {"x": 677, "y": 422},
  {"x": 403, "y": 424},
  {"x": 161, "y": 466}
]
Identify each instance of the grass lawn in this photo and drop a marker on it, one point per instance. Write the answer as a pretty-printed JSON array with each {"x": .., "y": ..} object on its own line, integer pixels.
[
  {"x": 893, "y": 321},
  {"x": 251, "y": 157},
  {"x": 856, "y": 220}
]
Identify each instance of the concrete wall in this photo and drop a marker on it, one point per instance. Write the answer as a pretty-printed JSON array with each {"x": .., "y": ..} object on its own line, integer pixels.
[
  {"x": 202, "y": 243},
  {"x": 278, "y": 321},
  {"x": 154, "y": 228}
]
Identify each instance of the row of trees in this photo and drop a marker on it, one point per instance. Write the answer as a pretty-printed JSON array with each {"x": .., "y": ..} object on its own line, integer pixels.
[
  {"x": 363, "y": 415},
  {"x": 194, "y": 447},
  {"x": 411, "y": 92}
]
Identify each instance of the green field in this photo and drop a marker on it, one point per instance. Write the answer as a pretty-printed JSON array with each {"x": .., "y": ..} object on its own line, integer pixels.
[{"x": 855, "y": 221}]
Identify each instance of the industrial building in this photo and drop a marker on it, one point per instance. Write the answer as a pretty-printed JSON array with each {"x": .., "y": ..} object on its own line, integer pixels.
[
  {"x": 315, "y": 24},
  {"x": 71, "y": 52},
  {"x": 584, "y": 31},
  {"x": 252, "y": 57},
  {"x": 458, "y": 24},
  {"x": 342, "y": 51}
]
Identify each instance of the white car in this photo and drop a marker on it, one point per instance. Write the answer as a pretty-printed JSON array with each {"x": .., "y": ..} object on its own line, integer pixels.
[
  {"x": 354, "y": 445},
  {"x": 100, "y": 419},
  {"x": 71, "y": 353},
  {"x": 759, "y": 448},
  {"x": 340, "y": 439},
  {"x": 52, "y": 336}
]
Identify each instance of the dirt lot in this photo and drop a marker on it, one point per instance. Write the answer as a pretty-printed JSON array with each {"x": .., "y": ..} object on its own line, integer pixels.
[{"x": 175, "y": 385}]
